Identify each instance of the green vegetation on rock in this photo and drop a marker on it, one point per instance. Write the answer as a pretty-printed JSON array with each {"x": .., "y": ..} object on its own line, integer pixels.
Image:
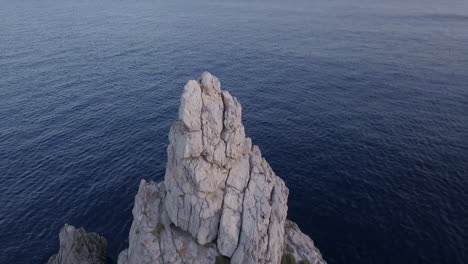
[
  {"x": 222, "y": 260},
  {"x": 288, "y": 258},
  {"x": 159, "y": 228}
]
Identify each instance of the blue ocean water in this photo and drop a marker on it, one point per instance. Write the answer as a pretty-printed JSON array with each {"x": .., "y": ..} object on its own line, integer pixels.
[{"x": 360, "y": 106}]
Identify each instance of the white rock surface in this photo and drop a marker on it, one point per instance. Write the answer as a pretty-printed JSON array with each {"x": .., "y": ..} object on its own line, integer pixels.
[
  {"x": 219, "y": 195},
  {"x": 191, "y": 106},
  {"x": 231, "y": 219},
  {"x": 264, "y": 212},
  {"x": 154, "y": 239},
  {"x": 79, "y": 247}
]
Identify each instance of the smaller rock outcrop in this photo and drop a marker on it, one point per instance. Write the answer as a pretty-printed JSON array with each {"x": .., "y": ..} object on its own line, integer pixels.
[
  {"x": 79, "y": 247},
  {"x": 300, "y": 245}
]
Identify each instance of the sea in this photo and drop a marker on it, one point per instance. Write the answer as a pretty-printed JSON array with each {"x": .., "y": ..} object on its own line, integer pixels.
[{"x": 360, "y": 106}]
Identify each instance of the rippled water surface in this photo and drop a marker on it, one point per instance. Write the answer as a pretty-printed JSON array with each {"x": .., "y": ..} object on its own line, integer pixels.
[{"x": 362, "y": 108}]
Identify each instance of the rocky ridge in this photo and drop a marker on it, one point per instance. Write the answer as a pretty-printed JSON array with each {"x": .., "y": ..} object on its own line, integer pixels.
[{"x": 220, "y": 200}]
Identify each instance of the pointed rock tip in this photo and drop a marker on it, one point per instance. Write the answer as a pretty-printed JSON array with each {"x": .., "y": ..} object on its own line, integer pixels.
[
  {"x": 191, "y": 86},
  {"x": 209, "y": 83},
  {"x": 191, "y": 105}
]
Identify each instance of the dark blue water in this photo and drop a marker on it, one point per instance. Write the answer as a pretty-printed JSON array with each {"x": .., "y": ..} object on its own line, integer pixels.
[{"x": 362, "y": 108}]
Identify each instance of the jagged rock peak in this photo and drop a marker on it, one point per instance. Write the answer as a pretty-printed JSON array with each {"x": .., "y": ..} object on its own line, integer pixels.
[
  {"x": 79, "y": 247},
  {"x": 219, "y": 196}
]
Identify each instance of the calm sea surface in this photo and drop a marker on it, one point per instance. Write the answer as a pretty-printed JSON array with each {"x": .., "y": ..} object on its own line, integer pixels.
[{"x": 360, "y": 106}]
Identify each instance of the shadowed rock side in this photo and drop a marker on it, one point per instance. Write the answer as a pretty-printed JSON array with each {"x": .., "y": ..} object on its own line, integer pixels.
[
  {"x": 79, "y": 247},
  {"x": 219, "y": 195},
  {"x": 299, "y": 244}
]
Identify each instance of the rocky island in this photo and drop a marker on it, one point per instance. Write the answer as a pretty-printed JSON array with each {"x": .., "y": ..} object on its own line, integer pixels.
[{"x": 220, "y": 201}]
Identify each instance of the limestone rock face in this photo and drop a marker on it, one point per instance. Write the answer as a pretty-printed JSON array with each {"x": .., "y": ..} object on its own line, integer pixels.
[
  {"x": 219, "y": 195},
  {"x": 205, "y": 144},
  {"x": 79, "y": 247},
  {"x": 154, "y": 239},
  {"x": 264, "y": 210}
]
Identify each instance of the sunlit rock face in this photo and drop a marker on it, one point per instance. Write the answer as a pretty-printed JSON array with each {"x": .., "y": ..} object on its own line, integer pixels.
[{"x": 219, "y": 196}]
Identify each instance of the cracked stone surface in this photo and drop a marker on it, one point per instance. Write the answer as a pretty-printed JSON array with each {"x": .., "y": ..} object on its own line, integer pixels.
[
  {"x": 154, "y": 239},
  {"x": 219, "y": 195}
]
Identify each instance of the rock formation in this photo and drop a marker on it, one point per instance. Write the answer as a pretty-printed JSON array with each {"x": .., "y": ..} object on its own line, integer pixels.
[
  {"x": 299, "y": 244},
  {"x": 79, "y": 247},
  {"x": 219, "y": 197}
]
